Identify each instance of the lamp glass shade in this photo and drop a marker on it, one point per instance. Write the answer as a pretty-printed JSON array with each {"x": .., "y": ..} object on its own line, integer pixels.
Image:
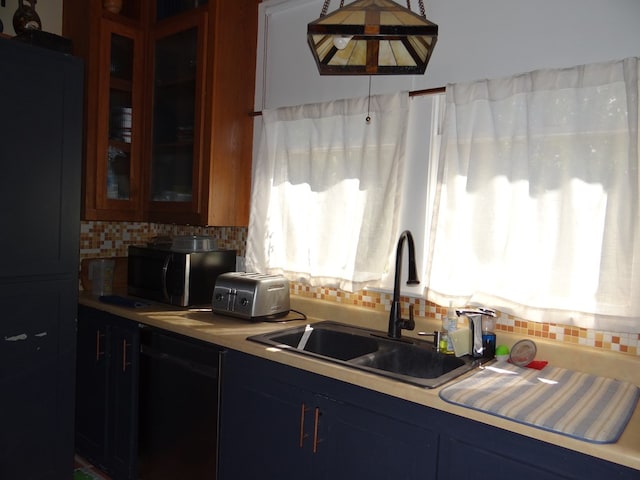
[{"x": 385, "y": 39}]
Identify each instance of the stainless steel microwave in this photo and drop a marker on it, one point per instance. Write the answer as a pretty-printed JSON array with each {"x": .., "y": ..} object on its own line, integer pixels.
[{"x": 177, "y": 278}]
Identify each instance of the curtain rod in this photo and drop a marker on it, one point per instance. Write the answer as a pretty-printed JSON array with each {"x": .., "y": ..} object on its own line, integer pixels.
[{"x": 412, "y": 93}]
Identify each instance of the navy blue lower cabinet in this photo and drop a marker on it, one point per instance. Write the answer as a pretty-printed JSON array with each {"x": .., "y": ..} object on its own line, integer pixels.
[
  {"x": 467, "y": 460},
  {"x": 259, "y": 427},
  {"x": 370, "y": 445},
  {"x": 471, "y": 450},
  {"x": 107, "y": 391},
  {"x": 282, "y": 423}
]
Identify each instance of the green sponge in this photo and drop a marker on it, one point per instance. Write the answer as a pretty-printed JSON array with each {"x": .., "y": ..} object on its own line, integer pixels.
[{"x": 502, "y": 350}]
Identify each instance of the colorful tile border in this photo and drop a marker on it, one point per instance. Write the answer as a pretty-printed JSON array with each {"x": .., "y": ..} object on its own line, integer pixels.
[
  {"x": 627, "y": 343},
  {"x": 111, "y": 239}
]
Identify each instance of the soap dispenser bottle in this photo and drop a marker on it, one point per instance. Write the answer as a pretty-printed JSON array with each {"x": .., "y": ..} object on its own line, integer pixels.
[
  {"x": 488, "y": 336},
  {"x": 483, "y": 341}
]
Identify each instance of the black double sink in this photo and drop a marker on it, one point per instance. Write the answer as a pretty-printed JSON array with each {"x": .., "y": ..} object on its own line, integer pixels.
[{"x": 409, "y": 360}]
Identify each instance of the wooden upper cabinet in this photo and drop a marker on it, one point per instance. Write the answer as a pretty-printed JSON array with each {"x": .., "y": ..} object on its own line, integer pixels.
[{"x": 169, "y": 92}]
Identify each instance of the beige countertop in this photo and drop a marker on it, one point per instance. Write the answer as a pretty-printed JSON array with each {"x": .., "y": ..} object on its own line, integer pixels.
[{"x": 232, "y": 333}]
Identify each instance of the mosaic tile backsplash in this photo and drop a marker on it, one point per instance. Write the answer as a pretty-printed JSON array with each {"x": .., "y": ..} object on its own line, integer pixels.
[{"x": 111, "y": 239}]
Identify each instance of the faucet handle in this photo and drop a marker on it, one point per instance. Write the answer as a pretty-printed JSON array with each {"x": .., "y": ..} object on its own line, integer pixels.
[{"x": 437, "y": 336}]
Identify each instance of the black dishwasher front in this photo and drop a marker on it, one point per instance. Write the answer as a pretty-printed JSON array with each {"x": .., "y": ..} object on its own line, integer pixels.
[{"x": 178, "y": 409}]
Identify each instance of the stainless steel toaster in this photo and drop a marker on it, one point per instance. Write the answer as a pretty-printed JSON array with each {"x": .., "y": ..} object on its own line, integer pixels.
[{"x": 251, "y": 296}]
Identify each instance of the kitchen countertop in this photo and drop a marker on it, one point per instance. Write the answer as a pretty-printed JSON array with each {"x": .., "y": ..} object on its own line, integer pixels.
[{"x": 232, "y": 333}]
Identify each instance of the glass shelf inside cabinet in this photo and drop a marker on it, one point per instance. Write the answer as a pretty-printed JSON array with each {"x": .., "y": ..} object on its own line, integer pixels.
[
  {"x": 120, "y": 116},
  {"x": 174, "y": 117},
  {"x": 169, "y": 8}
]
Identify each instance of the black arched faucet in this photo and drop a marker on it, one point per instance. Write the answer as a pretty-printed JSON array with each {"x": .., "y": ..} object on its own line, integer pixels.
[{"x": 396, "y": 322}]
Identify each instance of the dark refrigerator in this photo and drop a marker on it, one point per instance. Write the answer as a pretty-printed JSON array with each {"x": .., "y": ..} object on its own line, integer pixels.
[{"x": 40, "y": 181}]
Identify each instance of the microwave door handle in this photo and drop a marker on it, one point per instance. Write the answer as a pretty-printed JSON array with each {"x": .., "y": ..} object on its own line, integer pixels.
[{"x": 165, "y": 267}]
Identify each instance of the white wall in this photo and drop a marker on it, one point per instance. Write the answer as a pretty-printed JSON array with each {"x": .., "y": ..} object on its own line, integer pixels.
[
  {"x": 49, "y": 11},
  {"x": 477, "y": 39}
]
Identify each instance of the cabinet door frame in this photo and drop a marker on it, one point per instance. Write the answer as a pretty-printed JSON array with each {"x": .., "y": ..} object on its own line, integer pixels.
[
  {"x": 92, "y": 387},
  {"x": 96, "y": 187},
  {"x": 189, "y": 210},
  {"x": 124, "y": 337},
  {"x": 249, "y": 445},
  {"x": 357, "y": 442}
]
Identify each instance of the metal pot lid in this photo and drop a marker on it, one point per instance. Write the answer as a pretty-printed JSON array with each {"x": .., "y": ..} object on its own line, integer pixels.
[
  {"x": 523, "y": 352},
  {"x": 193, "y": 243}
]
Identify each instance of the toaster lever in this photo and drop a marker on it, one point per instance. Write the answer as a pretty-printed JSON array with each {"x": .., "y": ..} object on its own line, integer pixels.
[{"x": 229, "y": 295}]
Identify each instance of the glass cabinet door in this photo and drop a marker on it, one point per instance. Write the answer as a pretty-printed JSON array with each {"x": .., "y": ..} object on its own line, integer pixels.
[
  {"x": 120, "y": 113},
  {"x": 118, "y": 126},
  {"x": 178, "y": 54}
]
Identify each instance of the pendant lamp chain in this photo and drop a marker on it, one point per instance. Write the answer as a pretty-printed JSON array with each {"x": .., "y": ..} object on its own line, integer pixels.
[
  {"x": 325, "y": 7},
  {"x": 368, "y": 117},
  {"x": 420, "y": 6}
]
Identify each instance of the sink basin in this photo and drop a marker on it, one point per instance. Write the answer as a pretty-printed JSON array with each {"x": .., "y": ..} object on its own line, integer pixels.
[
  {"x": 333, "y": 341},
  {"x": 413, "y": 361},
  {"x": 409, "y": 360}
]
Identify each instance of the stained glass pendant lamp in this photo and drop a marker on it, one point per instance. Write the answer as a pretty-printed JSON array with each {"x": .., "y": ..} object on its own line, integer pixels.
[{"x": 372, "y": 37}]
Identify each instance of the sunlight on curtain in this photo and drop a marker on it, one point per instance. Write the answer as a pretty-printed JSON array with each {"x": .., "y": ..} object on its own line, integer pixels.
[
  {"x": 537, "y": 210},
  {"x": 325, "y": 189}
]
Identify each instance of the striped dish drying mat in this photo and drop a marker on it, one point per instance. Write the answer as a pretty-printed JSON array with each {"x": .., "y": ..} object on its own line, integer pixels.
[{"x": 587, "y": 407}]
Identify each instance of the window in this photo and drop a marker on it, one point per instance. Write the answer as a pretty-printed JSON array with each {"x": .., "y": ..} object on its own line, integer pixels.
[
  {"x": 531, "y": 207},
  {"x": 537, "y": 210},
  {"x": 326, "y": 191}
]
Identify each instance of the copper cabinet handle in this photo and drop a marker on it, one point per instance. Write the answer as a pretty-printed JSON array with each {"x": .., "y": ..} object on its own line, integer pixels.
[
  {"x": 98, "y": 352},
  {"x": 303, "y": 410},
  {"x": 315, "y": 430},
  {"x": 124, "y": 355}
]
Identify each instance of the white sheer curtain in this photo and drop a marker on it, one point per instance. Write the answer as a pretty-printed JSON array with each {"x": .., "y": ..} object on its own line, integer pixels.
[
  {"x": 538, "y": 208},
  {"x": 326, "y": 185}
]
